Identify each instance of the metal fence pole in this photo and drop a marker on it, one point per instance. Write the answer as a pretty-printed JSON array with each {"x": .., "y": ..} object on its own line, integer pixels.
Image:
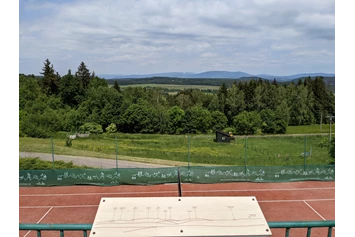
[
  {"x": 116, "y": 152},
  {"x": 245, "y": 154},
  {"x": 52, "y": 152},
  {"x": 305, "y": 152},
  {"x": 188, "y": 153}
]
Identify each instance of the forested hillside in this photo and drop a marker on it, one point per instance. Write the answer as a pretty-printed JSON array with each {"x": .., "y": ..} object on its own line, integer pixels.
[
  {"x": 329, "y": 81},
  {"x": 81, "y": 101}
]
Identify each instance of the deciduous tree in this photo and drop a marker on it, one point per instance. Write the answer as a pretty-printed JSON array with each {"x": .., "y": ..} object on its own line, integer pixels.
[{"x": 247, "y": 122}]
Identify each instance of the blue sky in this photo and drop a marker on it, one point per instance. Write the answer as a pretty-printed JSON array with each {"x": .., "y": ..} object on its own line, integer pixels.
[{"x": 138, "y": 37}]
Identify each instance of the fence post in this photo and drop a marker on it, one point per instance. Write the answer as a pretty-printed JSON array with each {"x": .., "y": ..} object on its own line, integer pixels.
[
  {"x": 52, "y": 152},
  {"x": 188, "y": 152},
  {"x": 116, "y": 152},
  {"x": 245, "y": 154},
  {"x": 305, "y": 152}
]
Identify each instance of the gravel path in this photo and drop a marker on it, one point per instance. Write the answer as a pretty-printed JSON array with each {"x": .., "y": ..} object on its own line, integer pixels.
[{"x": 90, "y": 161}]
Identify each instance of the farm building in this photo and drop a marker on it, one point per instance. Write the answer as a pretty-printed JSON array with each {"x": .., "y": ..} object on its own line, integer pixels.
[{"x": 223, "y": 136}]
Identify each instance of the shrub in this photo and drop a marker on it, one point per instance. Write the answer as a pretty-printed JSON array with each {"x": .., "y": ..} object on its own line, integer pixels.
[
  {"x": 92, "y": 128},
  {"x": 31, "y": 163},
  {"x": 68, "y": 142},
  {"x": 111, "y": 128}
]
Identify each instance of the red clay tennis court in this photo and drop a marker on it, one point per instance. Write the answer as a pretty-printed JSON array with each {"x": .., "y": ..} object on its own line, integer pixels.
[{"x": 291, "y": 201}]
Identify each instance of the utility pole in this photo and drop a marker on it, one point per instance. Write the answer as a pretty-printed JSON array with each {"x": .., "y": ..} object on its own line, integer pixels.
[{"x": 330, "y": 126}]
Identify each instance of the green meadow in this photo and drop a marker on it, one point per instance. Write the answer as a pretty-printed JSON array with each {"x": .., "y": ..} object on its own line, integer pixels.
[{"x": 189, "y": 149}]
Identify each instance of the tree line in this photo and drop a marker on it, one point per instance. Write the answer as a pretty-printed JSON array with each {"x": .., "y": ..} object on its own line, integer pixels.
[
  {"x": 84, "y": 102},
  {"x": 329, "y": 81}
]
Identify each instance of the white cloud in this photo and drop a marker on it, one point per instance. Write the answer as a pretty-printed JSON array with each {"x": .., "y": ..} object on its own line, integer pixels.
[
  {"x": 163, "y": 32},
  {"x": 284, "y": 46}
]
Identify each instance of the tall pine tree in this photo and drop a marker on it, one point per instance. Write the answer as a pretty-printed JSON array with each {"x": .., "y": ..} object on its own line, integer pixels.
[
  {"x": 71, "y": 91},
  {"x": 117, "y": 87},
  {"x": 84, "y": 75},
  {"x": 222, "y": 97},
  {"x": 50, "y": 81}
]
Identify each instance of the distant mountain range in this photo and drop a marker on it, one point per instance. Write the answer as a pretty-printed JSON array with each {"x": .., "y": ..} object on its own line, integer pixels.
[{"x": 214, "y": 75}]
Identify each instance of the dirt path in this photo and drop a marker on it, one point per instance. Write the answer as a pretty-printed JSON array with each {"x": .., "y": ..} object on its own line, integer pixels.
[{"x": 90, "y": 161}]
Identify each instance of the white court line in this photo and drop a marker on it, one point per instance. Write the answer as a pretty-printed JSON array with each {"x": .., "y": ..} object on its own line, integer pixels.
[
  {"x": 295, "y": 200},
  {"x": 86, "y": 194},
  {"x": 39, "y": 220},
  {"x": 191, "y": 191},
  {"x": 259, "y": 190},
  {"x": 73, "y": 206},
  {"x": 316, "y": 211},
  {"x": 59, "y": 206}
]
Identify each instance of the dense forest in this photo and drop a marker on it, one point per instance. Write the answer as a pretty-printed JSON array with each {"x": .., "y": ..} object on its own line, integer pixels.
[
  {"x": 329, "y": 81},
  {"x": 84, "y": 102}
]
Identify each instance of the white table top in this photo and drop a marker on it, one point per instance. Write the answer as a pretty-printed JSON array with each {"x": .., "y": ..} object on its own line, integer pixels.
[{"x": 179, "y": 216}]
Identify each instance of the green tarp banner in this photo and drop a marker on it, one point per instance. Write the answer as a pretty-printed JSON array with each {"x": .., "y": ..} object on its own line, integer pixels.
[
  {"x": 222, "y": 174},
  {"x": 192, "y": 174},
  {"x": 104, "y": 177}
]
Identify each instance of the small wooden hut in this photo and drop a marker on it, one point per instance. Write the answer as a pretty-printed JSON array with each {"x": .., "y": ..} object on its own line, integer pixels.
[{"x": 223, "y": 137}]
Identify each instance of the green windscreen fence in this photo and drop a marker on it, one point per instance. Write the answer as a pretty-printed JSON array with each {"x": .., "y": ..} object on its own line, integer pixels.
[{"x": 192, "y": 174}]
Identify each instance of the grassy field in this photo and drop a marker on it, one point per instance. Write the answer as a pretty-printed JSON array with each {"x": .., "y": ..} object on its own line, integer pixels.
[
  {"x": 176, "y": 149},
  {"x": 311, "y": 129},
  {"x": 175, "y": 87}
]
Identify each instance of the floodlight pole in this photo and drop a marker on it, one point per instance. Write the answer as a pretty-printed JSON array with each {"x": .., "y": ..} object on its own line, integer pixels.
[{"x": 330, "y": 126}]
